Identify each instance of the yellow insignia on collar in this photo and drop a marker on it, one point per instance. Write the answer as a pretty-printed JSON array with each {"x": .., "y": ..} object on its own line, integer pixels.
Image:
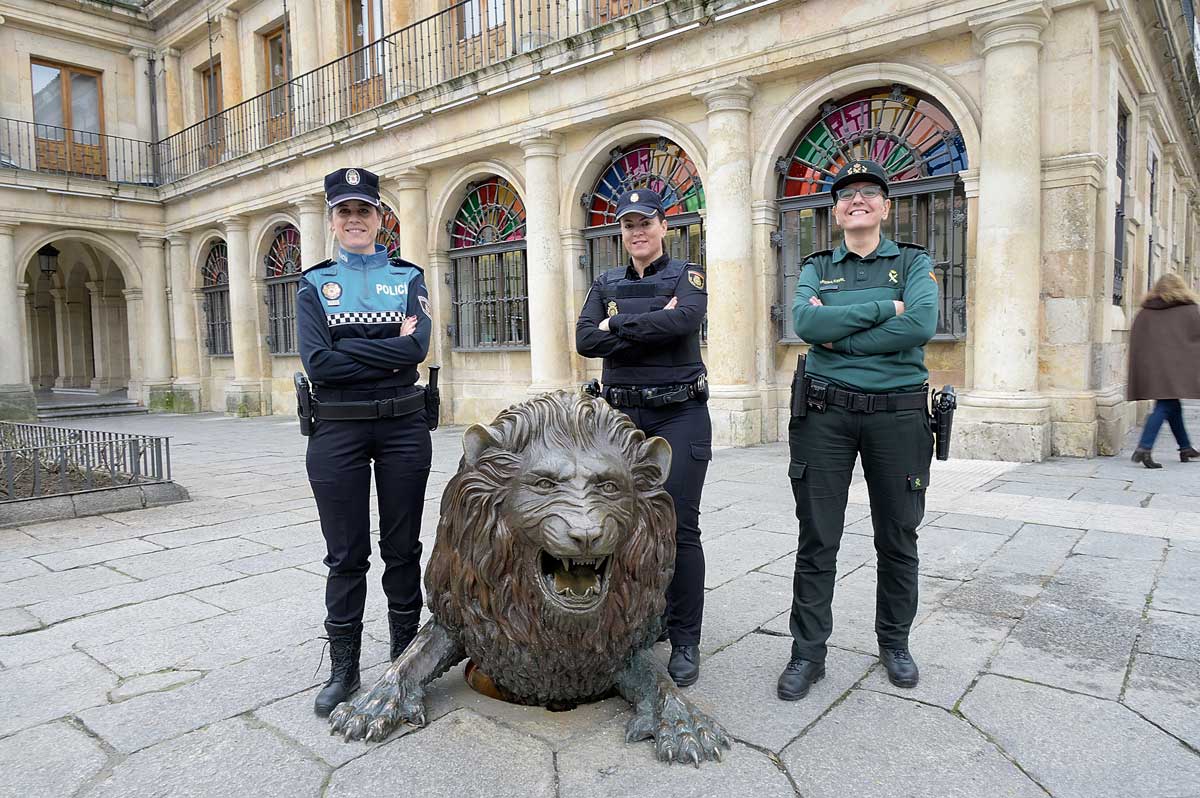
[
  {"x": 893, "y": 277},
  {"x": 612, "y": 308},
  {"x": 857, "y": 169}
]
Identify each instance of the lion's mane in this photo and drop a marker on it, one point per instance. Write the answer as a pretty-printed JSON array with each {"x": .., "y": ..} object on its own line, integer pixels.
[{"x": 479, "y": 581}]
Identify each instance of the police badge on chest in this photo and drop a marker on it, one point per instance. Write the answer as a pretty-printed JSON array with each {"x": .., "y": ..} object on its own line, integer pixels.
[{"x": 332, "y": 293}]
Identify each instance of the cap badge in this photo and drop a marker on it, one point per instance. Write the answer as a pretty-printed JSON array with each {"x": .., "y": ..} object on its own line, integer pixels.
[
  {"x": 612, "y": 308},
  {"x": 857, "y": 169},
  {"x": 633, "y": 197},
  {"x": 352, "y": 177}
]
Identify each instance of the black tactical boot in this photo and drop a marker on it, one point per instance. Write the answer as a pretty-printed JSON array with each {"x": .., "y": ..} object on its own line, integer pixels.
[
  {"x": 402, "y": 624},
  {"x": 798, "y": 677},
  {"x": 684, "y": 665},
  {"x": 901, "y": 669},
  {"x": 1143, "y": 456},
  {"x": 345, "y": 643}
]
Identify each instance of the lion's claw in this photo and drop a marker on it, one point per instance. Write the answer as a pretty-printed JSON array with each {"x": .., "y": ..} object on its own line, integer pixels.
[
  {"x": 372, "y": 715},
  {"x": 681, "y": 732}
]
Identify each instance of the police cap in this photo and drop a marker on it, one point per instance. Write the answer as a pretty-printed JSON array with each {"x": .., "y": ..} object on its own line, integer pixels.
[
  {"x": 860, "y": 172},
  {"x": 641, "y": 201},
  {"x": 351, "y": 184}
]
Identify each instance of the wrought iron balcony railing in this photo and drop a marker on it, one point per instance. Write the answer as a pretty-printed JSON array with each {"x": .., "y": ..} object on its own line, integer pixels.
[{"x": 77, "y": 153}]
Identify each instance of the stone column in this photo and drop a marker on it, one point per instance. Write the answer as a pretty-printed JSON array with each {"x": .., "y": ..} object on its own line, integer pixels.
[
  {"x": 735, "y": 405},
  {"x": 62, "y": 336},
  {"x": 172, "y": 91},
  {"x": 574, "y": 247},
  {"x": 156, "y": 325},
  {"x": 243, "y": 397},
  {"x": 305, "y": 38},
  {"x": 141, "y": 91},
  {"x": 135, "y": 340},
  {"x": 231, "y": 59},
  {"x": 25, "y": 302},
  {"x": 549, "y": 355},
  {"x": 100, "y": 338},
  {"x": 413, "y": 211},
  {"x": 186, "y": 390},
  {"x": 331, "y": 33},
  {"x": 16, "y": 394},
  {"x": 775, "y": 396},
  {"x": 1004, "y": 416},
  {"x": 313, "y": 248}
]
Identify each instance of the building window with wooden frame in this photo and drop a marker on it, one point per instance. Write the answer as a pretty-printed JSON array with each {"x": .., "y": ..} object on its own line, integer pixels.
[
  {"x": 1118, "y": 294},
  {"x": 920, "y": 147},
  {"x": 278, "y": 99},
  {"x": 214, "y": 281},
  {"x": 281, "y": 268},
  {"x": 212, "y": 103},
  {"x": 68, "y": 115},
  {"x": 489, "y": 277},
  {"x": 365, "y": 63},
  {"x": 481, "y": 33}
]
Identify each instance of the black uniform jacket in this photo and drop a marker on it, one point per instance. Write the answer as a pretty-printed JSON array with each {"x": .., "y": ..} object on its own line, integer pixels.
[
  {"x": 348, "y": 314},
  {"x": 645, "y": 344}
]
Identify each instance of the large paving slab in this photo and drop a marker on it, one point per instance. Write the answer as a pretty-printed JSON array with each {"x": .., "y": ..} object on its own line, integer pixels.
[
  {"x": 50, "y": 760},
  {"x": 878, "y": 745},
  {"x": 52, "y": 689},
  {"x": 1166, "y": 692},
  {"x": 1079, "y": 746}
]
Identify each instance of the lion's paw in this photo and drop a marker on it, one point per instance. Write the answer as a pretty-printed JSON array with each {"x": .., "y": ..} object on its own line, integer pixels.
[
  {"x": 373, "y": 715},
  {"x": 681, "y": 732}
]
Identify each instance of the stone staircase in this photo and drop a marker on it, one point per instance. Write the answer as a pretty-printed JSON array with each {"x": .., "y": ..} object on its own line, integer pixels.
[{"x": 64, "y": 403}]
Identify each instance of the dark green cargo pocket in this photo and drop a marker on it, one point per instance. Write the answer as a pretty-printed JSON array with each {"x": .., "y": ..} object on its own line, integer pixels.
[
  {"x": 918, "y": 481},
  {"x": 796, "y": 469},
  {"x": 702, "y": 451}
]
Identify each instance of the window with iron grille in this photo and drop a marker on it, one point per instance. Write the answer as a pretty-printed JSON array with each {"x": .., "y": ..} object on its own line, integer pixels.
[
  {"x": 489, "y": 281},
  {"x": 282, "y": 271},
  {"x": 218, "y": 338},
  {"x": 917, "y": 143},
  {"x": 1118, "y": 295},
  {"x": 662, "y": 166}
]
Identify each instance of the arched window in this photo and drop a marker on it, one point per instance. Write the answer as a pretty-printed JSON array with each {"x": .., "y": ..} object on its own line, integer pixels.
[
  {"x": 488, "y": 271},
  {"x": 214, "y": 280},
  {"x": 282, "y": 271},
  {"x": 662, "y": 166},
  {"x": 389, "y": 231},
  {"x": 916, "y": 141}
]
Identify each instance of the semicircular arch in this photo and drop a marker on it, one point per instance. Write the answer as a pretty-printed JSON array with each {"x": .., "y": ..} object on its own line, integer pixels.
[
  {"x": 455, "y": 191},
  {"x": 201, "y": 242},
  {"x": 129, "y": 269},
  {"x": 266, "y": 234}
]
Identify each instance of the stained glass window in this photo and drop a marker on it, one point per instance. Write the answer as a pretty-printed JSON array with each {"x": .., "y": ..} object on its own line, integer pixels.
[
  {"x": 916, "y": 141},
  {"x": 659, "y": 165},
  {"x": 282, "y": 269},
  {"x": 489, "y": 282},
  {"x": 389, "y": 231},
  {"x": 215, "y": 282}
]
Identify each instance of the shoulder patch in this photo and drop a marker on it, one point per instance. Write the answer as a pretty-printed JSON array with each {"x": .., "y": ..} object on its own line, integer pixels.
[{"x": 696, "y": 278}]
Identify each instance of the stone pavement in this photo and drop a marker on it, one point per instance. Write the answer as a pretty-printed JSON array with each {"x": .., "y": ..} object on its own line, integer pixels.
[{"x": 173, "y": 651}]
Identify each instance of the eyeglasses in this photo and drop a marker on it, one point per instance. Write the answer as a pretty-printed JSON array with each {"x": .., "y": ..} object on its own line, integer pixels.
[{"x": 867, "y": 192}]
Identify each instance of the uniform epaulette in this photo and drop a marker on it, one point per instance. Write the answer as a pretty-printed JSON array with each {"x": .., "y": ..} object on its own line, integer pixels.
[
  {"x": 818, "y": 254},
  {"x": 907, "y": 245},
  {"x": 404, "y": 263},
  {"x": 321, "y": 265}
]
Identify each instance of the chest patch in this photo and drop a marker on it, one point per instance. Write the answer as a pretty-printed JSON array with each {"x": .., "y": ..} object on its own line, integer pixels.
[
  {"x": 893, "y": 277},
  {"x": 332, "y": 293},
  {"x": 612, "y": 308}
]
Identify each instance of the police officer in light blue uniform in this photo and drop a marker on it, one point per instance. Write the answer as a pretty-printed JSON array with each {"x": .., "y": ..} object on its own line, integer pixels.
[{"x": 364, "y": 326}]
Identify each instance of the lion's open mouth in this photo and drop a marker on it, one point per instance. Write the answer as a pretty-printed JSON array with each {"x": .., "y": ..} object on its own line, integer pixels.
[{"x": 576, "y": 583}]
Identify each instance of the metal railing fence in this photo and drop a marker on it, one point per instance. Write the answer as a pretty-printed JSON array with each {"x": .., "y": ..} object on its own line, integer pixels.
[
  {"x": 38, "y": 461},
  {"x": 77, "y": 153}
]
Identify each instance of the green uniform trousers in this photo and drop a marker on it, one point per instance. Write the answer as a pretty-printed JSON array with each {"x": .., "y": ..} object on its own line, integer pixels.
[{"x": 896, "y": 450}]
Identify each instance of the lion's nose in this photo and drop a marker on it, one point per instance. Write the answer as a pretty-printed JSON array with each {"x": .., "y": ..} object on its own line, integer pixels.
[{"x": 586, "y": 538}]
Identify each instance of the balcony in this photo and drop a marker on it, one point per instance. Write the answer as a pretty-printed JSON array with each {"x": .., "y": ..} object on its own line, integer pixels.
[{"x": 453, "y": 43}]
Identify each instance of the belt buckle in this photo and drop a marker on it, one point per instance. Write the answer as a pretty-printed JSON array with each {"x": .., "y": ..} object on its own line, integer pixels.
[
  {"x": 385, "y": 408},
  {"x": 862, "y": 403}
]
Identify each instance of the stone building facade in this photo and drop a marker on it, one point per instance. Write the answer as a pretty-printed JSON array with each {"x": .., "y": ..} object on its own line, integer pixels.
[{"x": 161, "y": 165}]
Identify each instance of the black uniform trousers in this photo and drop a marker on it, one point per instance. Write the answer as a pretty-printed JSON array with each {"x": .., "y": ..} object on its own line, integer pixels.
[
  {"x": 688, "y": 428},
  {"x": 896, "y": 450},
  {"x": 340, "y": 455}
]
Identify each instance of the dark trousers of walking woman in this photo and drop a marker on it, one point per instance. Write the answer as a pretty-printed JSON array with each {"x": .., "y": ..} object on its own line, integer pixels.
[
  {"x": 340, "y": 456},
  {"x": 1170, "y": 411},
  {"x": 688, "y": 428}
]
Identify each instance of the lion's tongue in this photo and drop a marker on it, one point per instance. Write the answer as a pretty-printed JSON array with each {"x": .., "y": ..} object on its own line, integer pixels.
[{"x": 581, "y": 580}]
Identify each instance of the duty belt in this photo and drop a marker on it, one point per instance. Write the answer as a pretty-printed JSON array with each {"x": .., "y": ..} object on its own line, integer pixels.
[
  {"x": 366, "y": 411},
  {"x": 821, "y": 394},
  {"x": 658, "y": 396}
]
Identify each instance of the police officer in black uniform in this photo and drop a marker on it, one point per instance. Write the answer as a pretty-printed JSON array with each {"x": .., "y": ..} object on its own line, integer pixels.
[
  {"x": 868, "y": 308},
  {"x": 364, "y": 325},
  {"x": 644, "y": 319}
]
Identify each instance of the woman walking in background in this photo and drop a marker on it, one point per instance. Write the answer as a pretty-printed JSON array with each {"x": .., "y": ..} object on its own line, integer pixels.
[{"x": 1164, "y": 363}]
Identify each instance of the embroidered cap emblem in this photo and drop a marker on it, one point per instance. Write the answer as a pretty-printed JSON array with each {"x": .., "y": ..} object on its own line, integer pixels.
[
  {"x": 696, "y": 279},
  {"x": 612, "y": 308},
  {"x": 633, "y": 197},
  {"x": 352, "y": 177},
  {"x": 893, "y": 277},
  {"x": 857, "y": 169},
  {"x": 331, "y": 291}
]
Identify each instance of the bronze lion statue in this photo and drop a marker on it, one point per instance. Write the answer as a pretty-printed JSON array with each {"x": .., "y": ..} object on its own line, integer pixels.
[{"x": 554, "y": 550}]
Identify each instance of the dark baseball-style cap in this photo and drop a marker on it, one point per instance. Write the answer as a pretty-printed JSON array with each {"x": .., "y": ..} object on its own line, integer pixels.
[
  {"x": 641, "y": 201},
  {"x": 860, "y": 172},
  {"x": 351, "y": 184}
]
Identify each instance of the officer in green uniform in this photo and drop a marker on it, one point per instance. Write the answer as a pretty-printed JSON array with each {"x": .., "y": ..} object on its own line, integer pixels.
[{"x": 867, "y": 308}]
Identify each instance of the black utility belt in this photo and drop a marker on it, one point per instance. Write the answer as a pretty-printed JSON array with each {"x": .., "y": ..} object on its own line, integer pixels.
[
  {"x": 657, "y": 396},
  {"x": 369, "y": 410},
  {"x": 820, "y": 395}
]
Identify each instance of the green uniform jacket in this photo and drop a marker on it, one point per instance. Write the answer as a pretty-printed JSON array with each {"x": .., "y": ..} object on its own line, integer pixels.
[{"x": 874, "y": 350}]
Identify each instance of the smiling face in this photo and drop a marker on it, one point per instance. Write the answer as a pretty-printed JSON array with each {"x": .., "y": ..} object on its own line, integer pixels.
[
  {"x": 643, "y": 237},
  {"x": 861, "y": 213},
  {"x": 355, "y": 224}
]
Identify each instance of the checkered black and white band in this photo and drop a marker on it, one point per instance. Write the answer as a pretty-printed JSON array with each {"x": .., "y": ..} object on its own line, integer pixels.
[{"x": 365, "y": 317}]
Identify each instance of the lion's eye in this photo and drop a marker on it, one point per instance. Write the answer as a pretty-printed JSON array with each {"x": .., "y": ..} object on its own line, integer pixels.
[
  {"x": 609, "y": 488},
  {"x": 545, "y": 484}
]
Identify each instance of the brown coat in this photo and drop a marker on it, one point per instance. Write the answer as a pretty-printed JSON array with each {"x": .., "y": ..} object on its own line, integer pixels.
[{"x": 1164, "y": 351}]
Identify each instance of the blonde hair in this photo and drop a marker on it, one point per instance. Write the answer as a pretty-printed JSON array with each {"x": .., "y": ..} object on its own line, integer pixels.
[{"x": 1171, "y": 289}]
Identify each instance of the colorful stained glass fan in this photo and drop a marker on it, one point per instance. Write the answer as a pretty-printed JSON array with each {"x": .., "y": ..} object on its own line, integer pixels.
[
  {"x": 389, "y": 231},
  {"x": 492, "y": 213},
  {"x": 216, "y": 265},
  {"x": 909, "y": 134},
  {"x": 659, "y": 165},
  {"x": 284, "y": 256}
]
